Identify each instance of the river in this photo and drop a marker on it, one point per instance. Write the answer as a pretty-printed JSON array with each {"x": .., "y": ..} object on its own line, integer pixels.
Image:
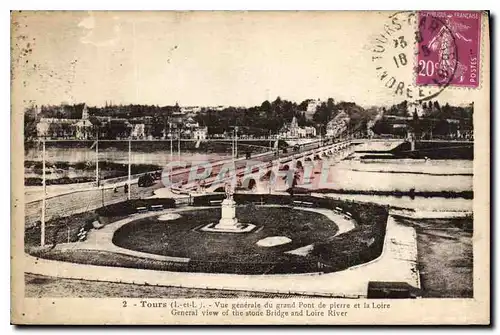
[
  {"x": 352, "y": 173},
  {"x": 356, "y": 174},
  {"x": 157, "y": 157}
]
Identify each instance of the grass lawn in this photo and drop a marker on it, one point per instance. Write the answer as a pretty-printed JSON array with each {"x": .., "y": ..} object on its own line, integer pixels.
[
  {"x": 180, "y": 238},
  {"x": 63, "y": 229},
  {"x": 106, "y": 258}
]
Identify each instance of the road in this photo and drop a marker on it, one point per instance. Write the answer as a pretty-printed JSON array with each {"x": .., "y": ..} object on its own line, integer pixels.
[{"x": 79, "y": 202}]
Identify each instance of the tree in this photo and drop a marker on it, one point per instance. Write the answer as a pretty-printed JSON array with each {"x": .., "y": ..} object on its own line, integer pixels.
[
  {"x": 29, "y": 124},
  {"x": 330, "y": 104},
  {"x": 436, "y": 105},
  {"x": 322, "y": 114},
  {"x": 303, "y": 105},
  {"x": 266, "y": 107}
]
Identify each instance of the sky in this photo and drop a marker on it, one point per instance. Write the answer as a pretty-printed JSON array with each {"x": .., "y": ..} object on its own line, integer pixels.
[{"x": 196, "y": 58}]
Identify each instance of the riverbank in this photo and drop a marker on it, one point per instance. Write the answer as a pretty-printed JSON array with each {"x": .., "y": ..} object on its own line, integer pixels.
[
  {"x": 189, "y": 145},
  {"x": 435, "y": 150},
  {"x": 395, "y": 193}
]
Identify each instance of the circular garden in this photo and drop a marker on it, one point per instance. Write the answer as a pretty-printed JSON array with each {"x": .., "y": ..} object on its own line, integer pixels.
[
  {"x": 182, "y": 237},
  {"x": 289, "y": 227},
  {"x": 281, "y": 228}
]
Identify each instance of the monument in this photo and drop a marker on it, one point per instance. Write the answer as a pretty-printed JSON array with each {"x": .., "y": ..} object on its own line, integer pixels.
[
  {"x": 228, "y": 222},
  {"x": 228, "y": 218}
]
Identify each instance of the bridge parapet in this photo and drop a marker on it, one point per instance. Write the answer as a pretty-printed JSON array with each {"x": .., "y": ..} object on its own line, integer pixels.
[{"x": 257, "y": 169}]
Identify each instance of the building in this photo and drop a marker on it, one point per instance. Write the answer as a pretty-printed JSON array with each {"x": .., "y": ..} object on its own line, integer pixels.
[
  {"x": 190, "y": 123},
  {"x": 310, "y": 131},
  {"x": 138, "y": 131},
  {"x": 190, "y": 109},
  {"x": 200, "y": 133},
  {"x": 338, "y": 125},
  {"x": 292, "y": 130},
  {"x": 81, "y": 129},
  {"x": 55, "y": 128},
  {"x": 312, "y": 105}
]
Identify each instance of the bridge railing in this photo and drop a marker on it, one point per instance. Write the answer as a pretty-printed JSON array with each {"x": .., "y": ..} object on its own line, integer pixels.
[{"x": 217, "y": 180}]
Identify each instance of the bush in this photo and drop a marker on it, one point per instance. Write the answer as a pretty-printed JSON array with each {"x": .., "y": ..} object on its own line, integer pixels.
[{"x": 130, "y": 206}]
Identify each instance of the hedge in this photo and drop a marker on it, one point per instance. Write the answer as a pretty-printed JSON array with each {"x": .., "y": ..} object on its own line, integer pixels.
[{"x": 130, "y": 206}]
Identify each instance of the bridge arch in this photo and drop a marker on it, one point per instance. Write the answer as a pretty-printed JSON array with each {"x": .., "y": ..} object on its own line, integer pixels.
[{"x": 249, "y": 183}]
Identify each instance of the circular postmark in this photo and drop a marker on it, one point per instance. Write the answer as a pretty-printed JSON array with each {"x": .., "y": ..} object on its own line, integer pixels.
[{"x": 415, "y": 57}]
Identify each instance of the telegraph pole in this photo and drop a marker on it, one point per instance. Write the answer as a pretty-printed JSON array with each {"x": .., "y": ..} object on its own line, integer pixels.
[
  {"x": 171, "y": 139},
  {"x": 236, "y": 141},
  {"x": 179, "y": 145},
  {"x": 129, "y": 166},
  {"x": 97, "y": 159},
  {"x": 232, "y": 147},
  {"x": 321, "y": 135},
  {"x": 42, "y": 231}
]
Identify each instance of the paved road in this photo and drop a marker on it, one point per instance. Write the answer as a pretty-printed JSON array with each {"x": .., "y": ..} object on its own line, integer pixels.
[{"x": 79, "y": 202}]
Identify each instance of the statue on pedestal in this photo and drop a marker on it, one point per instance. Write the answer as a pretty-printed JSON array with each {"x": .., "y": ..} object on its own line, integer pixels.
[
  {"x": 228, "y": 222},
  {"x": 229, "y": 191}
]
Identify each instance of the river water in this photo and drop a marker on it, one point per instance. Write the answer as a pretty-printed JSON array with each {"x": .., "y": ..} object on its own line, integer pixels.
[
  {"x": 357, "y": 174},
  {"x": 157, "y": 157}
]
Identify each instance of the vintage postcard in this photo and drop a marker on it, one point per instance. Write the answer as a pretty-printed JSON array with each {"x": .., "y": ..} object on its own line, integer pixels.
[{"x": 250, "y": 167}]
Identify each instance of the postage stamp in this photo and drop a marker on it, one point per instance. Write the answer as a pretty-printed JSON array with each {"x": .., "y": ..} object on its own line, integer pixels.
[{"x": 448, "y": 48}]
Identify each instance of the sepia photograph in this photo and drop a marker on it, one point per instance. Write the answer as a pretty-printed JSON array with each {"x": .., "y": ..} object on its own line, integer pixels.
[{"x": 250, "y": 167}]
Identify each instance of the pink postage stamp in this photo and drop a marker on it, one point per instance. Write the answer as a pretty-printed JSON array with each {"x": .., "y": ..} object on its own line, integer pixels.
[{"x": 448, "y": 48}]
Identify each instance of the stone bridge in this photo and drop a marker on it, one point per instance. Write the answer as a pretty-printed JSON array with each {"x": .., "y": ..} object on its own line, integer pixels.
[{"x": 256, "y": 173}]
